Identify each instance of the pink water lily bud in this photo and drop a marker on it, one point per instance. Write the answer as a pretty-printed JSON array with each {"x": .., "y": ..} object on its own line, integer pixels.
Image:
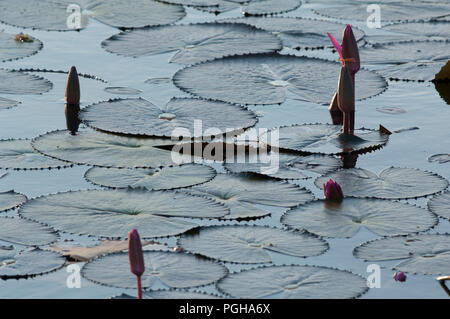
[
  {"x": 350, "y": 51},
  {"x": 337, "y": 46},
  {"x": 346, "y": 93},
  {"x": 332, "y": 190},
  {"x": 135, "y": 254},
  {"x": 72, "y": 87},
  {"x": 400, "y": 276},
  {"x": 335, "y": 112}
]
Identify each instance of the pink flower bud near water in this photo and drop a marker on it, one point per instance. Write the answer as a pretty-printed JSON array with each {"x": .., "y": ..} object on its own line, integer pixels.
[
  {"x": 400, "y": 276},
  {"x": 135, "y": 253},
  {"x": 332, "y": 191},
  {"x": 350, "y": 51},
  {"x": 72, "y": 87}
]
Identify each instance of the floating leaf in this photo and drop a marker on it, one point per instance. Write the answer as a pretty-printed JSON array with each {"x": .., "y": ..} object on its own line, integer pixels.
[
  {"x": 18, "y": 154},
  {"x": 158, "y": 81},
  {"x": 267, "y": 78},
  {"x": 194, "y": 43},
  {"x": 344, "y": 219},
  {"x": 10, "y": 200},
  {"x": 293, "y": 282},
  {"x": 284, "y": 166},
  {"x": 15, "y": 82},
  {"x": 391, "y": 110},
  {"x": 255, "y": 7},
  {"x": 325, "y": 139},
  {"x": 194, "y": 3},
  {"x": 30, "y": 263},
  {"x": 112, "y": 213},
  {"x": 440, "y": 205},
  {"x": 176, "y": 270},
  {"x": 162, "y": 179},
  {"x": 13, "y": 49},
  {"x": 122, "y": 90},
  {"x": 249, "y": 245},
  {"x": 413, "y": 60},
  {"x": 170, "y": 294},
  {"x": 392, "y": 183},
  {"x": 299, "y": 33},
  {"x": 24, "y": 232},
  {"x": 140, "y": 117},
  {"x": 439, "y": 158},
  {"x": 7, "y": 103},
  {"x": 105, "y": 150},
  {"x": 240, "y": 193},
  {"x": 427, "y": 254}
]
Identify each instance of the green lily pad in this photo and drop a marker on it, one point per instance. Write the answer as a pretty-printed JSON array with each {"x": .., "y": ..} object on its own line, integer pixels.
[
  {"x": 151, "y": 179},
  {"x": 427, "y": 254},
  {"x": 194, "y": 43},
  {"x": 10, "y": 200},
  {"x": 176, "y": 270},
  {"x": 293, "y": 282},
  {"x": 344, "y": 219},
  {"x": 18, "y": 154},
  {"x": 13, "y": 49},
  {"x": 170, "y": 294},
  {"x": 24, "y": 232},
  {"x": 254, "y": 7},
  {"x": 140, "y": 117},
  {"x": 112, "y": 213},
  {"x": 440, "y": 205},
  {"x": 15, "y": 82},
  {"x": 240, "y": 193},
  {"x": 7, "y": 103},
  {"x": 104, "y": 150},
  {"x": 250, "y": 244},
  {"x": 325, "y": 139},
  {"x": 391, "y": 183},
  {"x": 268, "y": 78}
]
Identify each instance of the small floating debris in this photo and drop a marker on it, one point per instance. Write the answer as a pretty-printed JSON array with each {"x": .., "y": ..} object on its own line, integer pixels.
[
  {"x": 413, "y": 128},
  {"x": 22, "y": 37}
]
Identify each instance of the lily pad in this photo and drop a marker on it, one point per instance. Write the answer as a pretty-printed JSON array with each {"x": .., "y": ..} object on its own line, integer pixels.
[
  {"x": 176, "y": 270},
  {"x": 18, "y": 154},
  {"x": 250, "y": 245},
  {"x": 413, "y": 60},
  {"x": 268, "y": 78},
  {"x": 104, "y": 150},
  {"x": 162, "y": 179},
  {"x": 170, "y": 294},
  {"x": 30, "y": 263},
  {"x": 112, "y": 213},
  {"x": 439, "y": 158},
  {"x": 24, "y": 232},
  {"x": 299, "y": 33},
  {"x": 440, "y": 205},
  {"x": 293, "y": 282},
  {"x": 122, "y": 90},
  {"x": 194, "y": 43},
  {"x": 140, "y": 117},
  {"x": 427, "y": 254},
  {"x": 391, "y": 110},
  {"x": 285, "y": 166},
  {"x": 391, "y": 183},
  {"x": 344, "y": 219},
  {"x": 254, "y": 7},
  {"x": 10, "y": 200},
  {"x": 7, "y": 103},
  {"x": 194, "y": 3},
  {"x": 240, "y": 193},
  {"x": 326, "y": 139},
  {"x": 15, "y": 82},
  {"x": 13, "y": 49}
]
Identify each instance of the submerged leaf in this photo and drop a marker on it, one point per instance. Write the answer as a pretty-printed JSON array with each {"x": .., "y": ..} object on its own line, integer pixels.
[
  {"x": 24, "y": 232},
  {"x": 440, "y": 205},
  {"x": 293, "y": 282},
  {"x": 10, "y": 200},
  {"x": 16, "y": 82},
  {"x": 439, "y": 158},
  {"x": 13, "y": 49},
  {"x": 176, "y": 270},
  {"x": 7, "y": 103},
  {"x": 254, "y": 7}
]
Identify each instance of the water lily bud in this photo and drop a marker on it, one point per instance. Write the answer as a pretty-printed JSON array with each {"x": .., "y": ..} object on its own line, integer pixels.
[
  {"x": 335, "y": 112},
  {"x": 73, "y": 87},
  {"x": 350, "y": 51},
  {"x": 135, "y": 254},
  {"x": 400, "y": 276},
  {"x": 346, "y": 93},
  {"x": 332, "y": 191}
]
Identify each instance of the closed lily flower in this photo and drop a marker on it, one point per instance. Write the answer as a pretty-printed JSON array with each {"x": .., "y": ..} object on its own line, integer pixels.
[
  {"x": 400, "y": 276},
  {"x": 346, "y": 97},
  {"x": 332, "y": 191},
  {"x": 136, "y": 256},
  {"x": 73, "y": 87}
]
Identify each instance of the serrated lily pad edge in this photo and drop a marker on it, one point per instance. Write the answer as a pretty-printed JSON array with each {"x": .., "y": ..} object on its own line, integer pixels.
[
  {"x": 17, "y": 206},
  {"x": 40, "y": 46}
]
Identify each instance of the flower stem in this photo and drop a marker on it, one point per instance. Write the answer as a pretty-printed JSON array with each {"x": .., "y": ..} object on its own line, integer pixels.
[
  {"x": 139, "y": 287},
  {"x": 346, "y": 122}
]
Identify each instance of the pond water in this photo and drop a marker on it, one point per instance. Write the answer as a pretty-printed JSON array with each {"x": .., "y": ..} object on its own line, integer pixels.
[{"x": 422, "y": 108}]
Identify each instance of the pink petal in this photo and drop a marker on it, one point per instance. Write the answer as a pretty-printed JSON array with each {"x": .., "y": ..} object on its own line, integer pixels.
[{"x": 336, "y": 45}]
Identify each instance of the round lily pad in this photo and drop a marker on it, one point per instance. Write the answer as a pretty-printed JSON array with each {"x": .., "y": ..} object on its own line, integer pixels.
[
  {"x": 30, "y": 263},
  {"x": 7, "y": 103},
  {"x": 254, "y": 7},
  {"x": 176, "y": 270},
  {"x": 15, "y": 49},
  {"x": 194, "y": 43},
  {"x": 439, "y": 158},
  {"x": 10, "y": 200},
  {"x": 300, "y": 33},
  {"x": 427, "y": 254},
  {"x": 250, "y": 244},
  {"x": 391, "y": 183},
  {"x": 440, "y": 205},
  {"x": 140, "y": 117},
  {"x": 326, "y": 139},
  {"x": 344, "y": 219},
  {"x": 24, "y": 232},
  {"x": 161, "y": 179},
  {"x": 18, "y": 154},
  {"x": 293, "y": 282},
  {"x": 240, "y": 193},
  {"x": 15, "y": 82},
  {"x": 286, "y": 166},
  {"x": 268, "y": 78},
  {"x": 104, "y": 150},
  {"x": 112, "y": 213},
  {"x": 170, "y": 294},
  {"x": 412, "y": 60}
]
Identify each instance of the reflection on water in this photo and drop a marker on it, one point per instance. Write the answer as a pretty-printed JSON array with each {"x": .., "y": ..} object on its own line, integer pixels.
[
  {"x": 72, "y": 119},
  {"x": 443, "y": 89},
  {"x": 349, "y": 160}
]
